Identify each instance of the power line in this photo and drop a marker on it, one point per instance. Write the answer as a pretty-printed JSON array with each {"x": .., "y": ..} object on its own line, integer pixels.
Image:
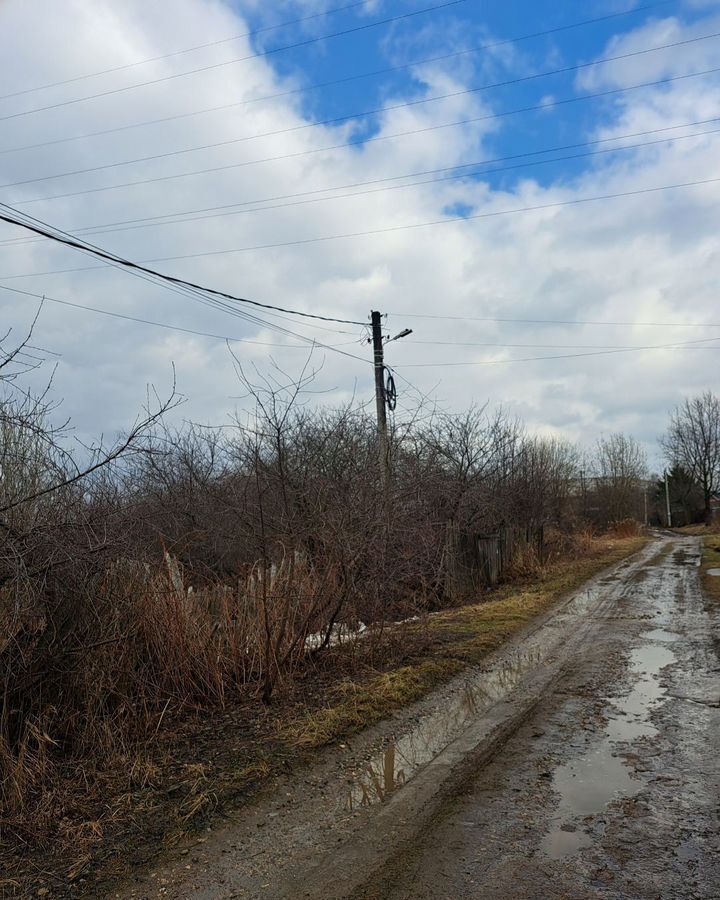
[
  {"x": 181, "y": 217},
  {"x": 214, "y": 302},
  {"x": 344, "y": 80},
  {"x": 223, "y": 337},
  {"x": 556, "y": 321},
  {"x": 165, "y": 325},
  {"x": 531, "y": 346},
  {"x": 227, "y": 40},
  {"x": 344, "y": 118},
  {"x": 686, "y": 345},
  {"x": 112, "y": 259},
  {"x": 353, "y": 234},
  {"x": 358, "y": 142},
  {"x": 304, "y": 43}
]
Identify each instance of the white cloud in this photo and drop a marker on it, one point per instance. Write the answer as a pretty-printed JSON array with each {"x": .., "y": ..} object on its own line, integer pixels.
[
  {"x": 660, "y": 63},
  {"x": 651, "y": 257}
]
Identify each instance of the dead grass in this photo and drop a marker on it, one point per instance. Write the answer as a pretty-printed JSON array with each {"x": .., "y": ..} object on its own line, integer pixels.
[
  {"x": 353, "y": 706},
  {"x": 627, "y": 528},
  {"x": 700, "y": 530},
  {"x": 131, "y": 811},
  {"x": 452, "y": 640},
  {"x": 711, "y": 560}
]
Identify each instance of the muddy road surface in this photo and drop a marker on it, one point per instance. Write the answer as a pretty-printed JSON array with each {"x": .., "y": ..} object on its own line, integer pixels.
[{"x": 582, "y": 762}]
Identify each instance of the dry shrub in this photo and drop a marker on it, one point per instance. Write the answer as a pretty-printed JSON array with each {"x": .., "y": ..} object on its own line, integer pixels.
[
  {"x": 626, "y": 528},
  {"x": 530, "y": 559},
  {"x": 527, "y": 560},
  {"x": 143, "y": 647},
  {"x": 575, "y": 544}
]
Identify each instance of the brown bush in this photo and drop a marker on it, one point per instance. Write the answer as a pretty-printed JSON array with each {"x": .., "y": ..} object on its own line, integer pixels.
[{"x": 625, "y": 529}]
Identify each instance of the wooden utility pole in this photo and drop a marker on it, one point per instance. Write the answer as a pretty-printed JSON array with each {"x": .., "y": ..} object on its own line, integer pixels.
[
  {"x": 379, "y": 365},
  {"x": 667, "y": 500}
]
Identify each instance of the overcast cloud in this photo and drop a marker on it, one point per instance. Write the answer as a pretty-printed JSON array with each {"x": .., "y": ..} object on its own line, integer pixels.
[{"x": 650, "y": 257}]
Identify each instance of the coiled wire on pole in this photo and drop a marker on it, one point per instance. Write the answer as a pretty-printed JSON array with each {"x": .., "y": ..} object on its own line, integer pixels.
[{"x": 390, "y": 390}]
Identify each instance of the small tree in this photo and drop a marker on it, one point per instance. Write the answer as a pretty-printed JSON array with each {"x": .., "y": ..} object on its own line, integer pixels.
[{"x": 693, "y": 442}]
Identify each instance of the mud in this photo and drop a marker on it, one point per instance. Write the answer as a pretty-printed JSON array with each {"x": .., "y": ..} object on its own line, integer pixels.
[
  {"x": 580, "y": 762},
  {"x": 610, "y": 790}
]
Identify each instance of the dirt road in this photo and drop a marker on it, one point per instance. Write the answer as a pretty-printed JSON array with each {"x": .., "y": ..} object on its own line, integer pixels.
[
  {"x": 582, "y": 762},
  {"x": 611, "y": 788}
]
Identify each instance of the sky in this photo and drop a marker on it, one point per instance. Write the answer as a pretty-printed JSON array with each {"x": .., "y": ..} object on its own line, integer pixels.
[{"x": 532, "y": 188}]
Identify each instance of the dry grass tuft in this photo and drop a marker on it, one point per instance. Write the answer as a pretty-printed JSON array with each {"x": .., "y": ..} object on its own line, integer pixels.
[
  {"x": 711, "y": 560},
  {"x": 626, "y": 529},
  {"x": 354, "y": 706},
  {"x": 700, "y": 530}
]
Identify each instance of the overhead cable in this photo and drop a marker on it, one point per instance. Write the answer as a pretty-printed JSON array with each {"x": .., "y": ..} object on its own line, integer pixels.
[
  {"x": 358, "y": 142},
  {"x": 304, "y": 43},
  {"x": 348, "y": 117},
  {"x": 151, "y": 59},
  {"x": 303, "y": 90},
  {"x": 515, "y": 321},
  {"x": 250, "y": 206},
  {"x": 166, "y": 325},
  {"x": 336, "y": 237},
  {"x": 682, "y": 345},
  {"x": 70, "y": 241}
]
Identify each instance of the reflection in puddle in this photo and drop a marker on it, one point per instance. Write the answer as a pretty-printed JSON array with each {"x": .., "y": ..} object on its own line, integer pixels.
[
  {"x": 388, "y": 770},
  {"x": 383, "y": 774},
  {"x": 587, "y": 784},
  {"x": 713, "y": 571}
]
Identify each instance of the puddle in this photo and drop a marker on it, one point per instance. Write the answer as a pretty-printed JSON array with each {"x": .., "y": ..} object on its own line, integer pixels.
[
  {"x": 389, "y": 770},
  {"x": 587, "y": 784},
  {"x": 660, "y": 634},
  {"x": 715, "y": 572}
]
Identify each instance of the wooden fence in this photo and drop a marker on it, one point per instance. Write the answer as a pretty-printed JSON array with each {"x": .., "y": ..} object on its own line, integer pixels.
[{"x": 475, "y": 562}]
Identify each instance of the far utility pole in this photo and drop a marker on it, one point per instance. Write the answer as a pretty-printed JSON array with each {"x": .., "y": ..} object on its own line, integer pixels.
[
  {"x": 384, "y": 394},
  {"x": 380, "y": 398},
  {"x": 667, "y": 499}
]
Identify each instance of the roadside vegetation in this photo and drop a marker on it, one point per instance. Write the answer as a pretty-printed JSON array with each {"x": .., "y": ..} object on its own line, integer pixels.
[
  {"x": 448, "y": 642},
  {"x": 710, "y": 533},
  {"x": 188, "y": 609},
  {"x": 711, "y": 560}
]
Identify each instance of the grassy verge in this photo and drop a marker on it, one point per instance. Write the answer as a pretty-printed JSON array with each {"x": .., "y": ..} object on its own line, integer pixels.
[
  {"x": 711, "y": 554},
  {"x": 700, "y": 530},
  {"x": 711, "y": 560},
  {"x": 121, "y": 817}
]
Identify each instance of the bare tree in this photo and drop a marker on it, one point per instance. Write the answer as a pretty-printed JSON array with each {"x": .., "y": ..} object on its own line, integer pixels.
[
  {"x": 545, "y": 477},
  {"x": 469, "y": 458},
  {"x": 618, "y": 467},
  {"x": 693, "y": 442}
]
